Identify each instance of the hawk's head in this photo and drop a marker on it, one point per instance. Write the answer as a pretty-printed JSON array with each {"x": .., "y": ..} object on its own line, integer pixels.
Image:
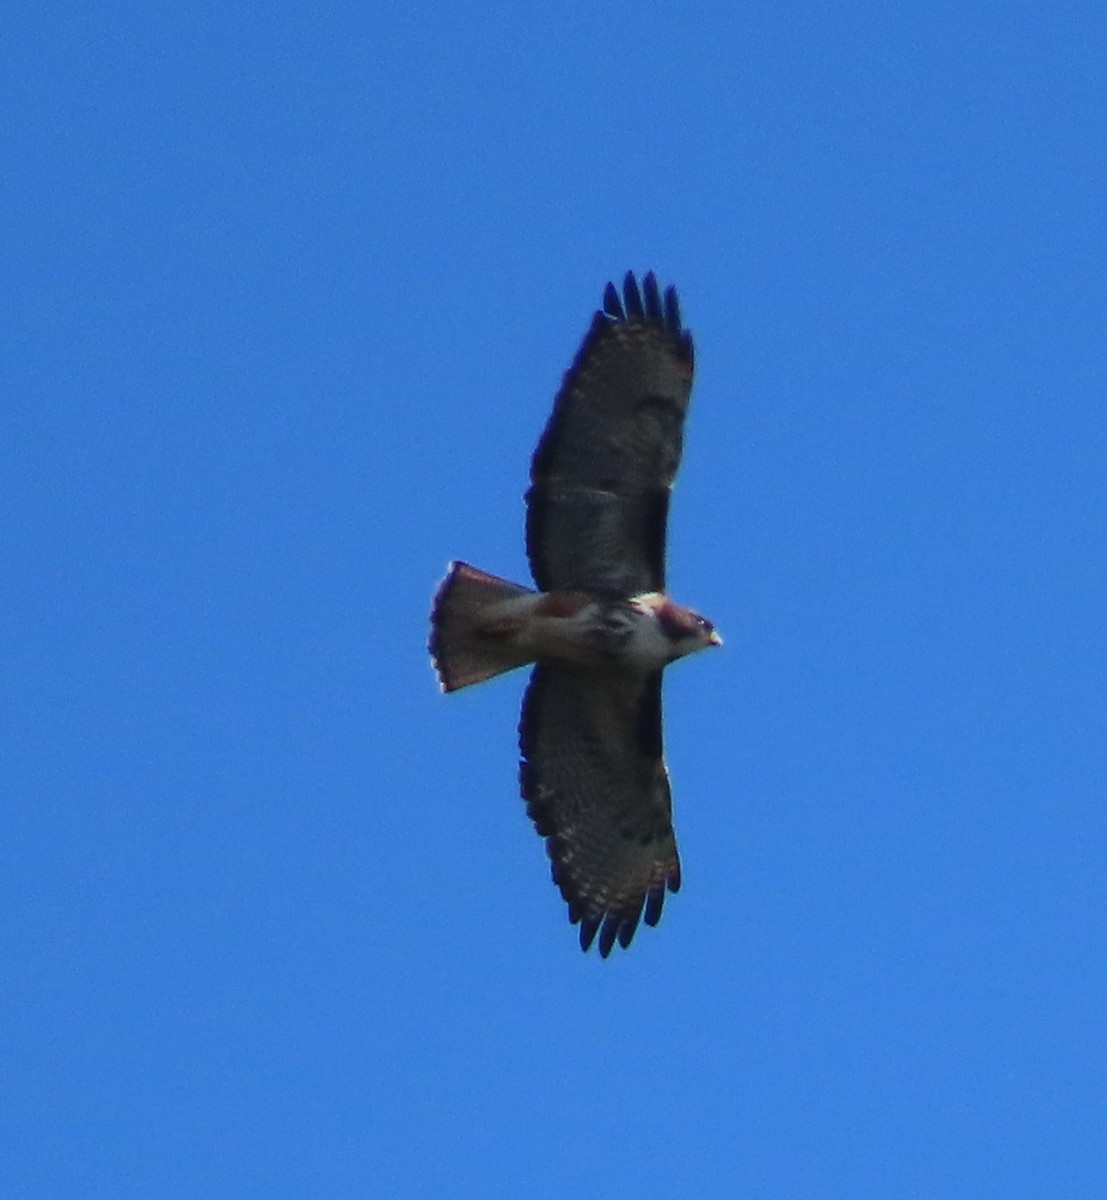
[{"x": 685, "y": 630}]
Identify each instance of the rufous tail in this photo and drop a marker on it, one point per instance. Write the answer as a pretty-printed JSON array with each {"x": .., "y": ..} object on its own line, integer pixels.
[{"x": 472, "y": 626}]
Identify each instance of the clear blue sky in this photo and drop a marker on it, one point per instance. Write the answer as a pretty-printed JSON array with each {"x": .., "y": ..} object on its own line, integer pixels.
[{"x": 287, "y": 292}]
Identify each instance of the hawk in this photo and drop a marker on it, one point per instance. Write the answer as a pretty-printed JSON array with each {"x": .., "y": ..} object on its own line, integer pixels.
[{"x": 600, "y": 628}]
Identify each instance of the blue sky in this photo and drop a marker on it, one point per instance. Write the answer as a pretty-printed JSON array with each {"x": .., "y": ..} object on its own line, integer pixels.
[{"x": 287, "y": 294}]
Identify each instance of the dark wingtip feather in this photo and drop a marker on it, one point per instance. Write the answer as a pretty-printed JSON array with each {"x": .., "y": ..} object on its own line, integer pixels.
[
  {"x": 621, "y": 926},
  {"x": 648, "y": 305},
  {"x": 627, "y": 928},
  {"x": 655, "y": 898},
  {"x": 633, "y": 298},
  {"x": 616, "y": 924},
  {"x": 652, "y": 297},
  {"x": 672, "y": 310},
  {"x": 588, "y": 928}
]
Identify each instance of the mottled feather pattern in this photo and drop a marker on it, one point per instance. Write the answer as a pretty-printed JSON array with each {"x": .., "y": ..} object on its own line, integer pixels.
[
  {"x": 604, "y": 467},
  {"x": 597, "y": 790}
]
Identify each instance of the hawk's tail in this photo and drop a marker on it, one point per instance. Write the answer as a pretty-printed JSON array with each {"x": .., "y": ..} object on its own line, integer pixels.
[{"x": 472, "y": 624}]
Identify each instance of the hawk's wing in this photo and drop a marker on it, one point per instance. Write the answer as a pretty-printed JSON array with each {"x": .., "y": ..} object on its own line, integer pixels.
[
  {"x": 597, "y": 508},
  {"x": 596, "y": 787}
]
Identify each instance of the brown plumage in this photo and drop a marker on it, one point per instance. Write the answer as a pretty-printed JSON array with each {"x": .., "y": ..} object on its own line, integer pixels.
[{"x": 600, "y": 628}]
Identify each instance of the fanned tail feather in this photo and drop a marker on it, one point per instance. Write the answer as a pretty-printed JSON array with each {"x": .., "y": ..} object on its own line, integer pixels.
[{"x": 471, "y": 627}]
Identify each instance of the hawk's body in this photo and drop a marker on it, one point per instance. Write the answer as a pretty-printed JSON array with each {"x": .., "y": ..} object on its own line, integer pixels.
[{"x": 600, "y": 628}]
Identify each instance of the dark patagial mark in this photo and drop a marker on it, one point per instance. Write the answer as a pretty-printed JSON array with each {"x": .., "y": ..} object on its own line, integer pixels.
[{"x": 647, "y": 722}]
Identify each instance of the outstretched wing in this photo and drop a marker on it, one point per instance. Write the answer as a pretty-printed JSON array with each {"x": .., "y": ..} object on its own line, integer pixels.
[
  {"x": 601, "y": 476},
  {"x": 596, "y": 787}
]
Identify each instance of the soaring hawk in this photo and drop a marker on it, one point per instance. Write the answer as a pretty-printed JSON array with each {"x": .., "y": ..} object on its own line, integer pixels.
[{"x": 600, "y": 627}]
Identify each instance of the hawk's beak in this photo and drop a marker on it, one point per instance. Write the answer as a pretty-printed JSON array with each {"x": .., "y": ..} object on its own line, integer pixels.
[{"x": 714, "y": 639}]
